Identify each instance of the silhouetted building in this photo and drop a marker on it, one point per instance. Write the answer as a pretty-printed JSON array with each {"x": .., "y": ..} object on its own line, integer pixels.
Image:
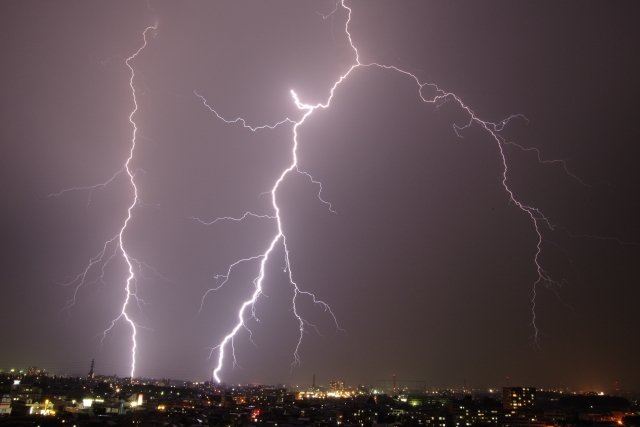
[{"x": 91, "y": 373}]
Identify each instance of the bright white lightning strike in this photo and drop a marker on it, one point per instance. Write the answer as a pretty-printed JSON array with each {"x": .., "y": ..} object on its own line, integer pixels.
[
  {"x": 129, "y": 292},
  {"x": 117, "y": 243},
  {"x": 536, "y": 216}
]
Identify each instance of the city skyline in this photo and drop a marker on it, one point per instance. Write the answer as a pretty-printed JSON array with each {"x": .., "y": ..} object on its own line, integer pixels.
[
  {"x": 426, "y": 257},
  {"x": 34, "y": 398},
  {"x": 392, "y": 385}
]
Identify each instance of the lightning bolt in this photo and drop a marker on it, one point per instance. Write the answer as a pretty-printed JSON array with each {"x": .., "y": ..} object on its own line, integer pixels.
[
  {"x": 539, "y": 221},
  {"x": 116, "y": 244},
  {"x": 130, "y": 292},
  {"x": 278, "y": 239}
]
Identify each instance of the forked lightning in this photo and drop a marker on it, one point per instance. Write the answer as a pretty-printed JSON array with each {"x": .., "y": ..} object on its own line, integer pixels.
[{"x": 493, "y": 129}]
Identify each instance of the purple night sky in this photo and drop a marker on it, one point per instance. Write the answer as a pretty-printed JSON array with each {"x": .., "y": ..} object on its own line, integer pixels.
[{"x": 426, "y": 263}]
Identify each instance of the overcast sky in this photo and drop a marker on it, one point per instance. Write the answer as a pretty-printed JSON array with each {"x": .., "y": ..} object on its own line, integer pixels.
[{"x": 426, "y": 263}]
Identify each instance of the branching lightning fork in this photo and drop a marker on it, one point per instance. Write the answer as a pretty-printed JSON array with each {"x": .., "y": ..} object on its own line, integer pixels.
[
  {"x": 117, "y": 242},
  {"x": 278, "y": 239},
  {"x": 538, "y": 219}
]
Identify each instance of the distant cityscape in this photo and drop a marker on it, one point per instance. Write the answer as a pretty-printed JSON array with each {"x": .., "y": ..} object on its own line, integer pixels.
[{"x": 35, "y": 397}]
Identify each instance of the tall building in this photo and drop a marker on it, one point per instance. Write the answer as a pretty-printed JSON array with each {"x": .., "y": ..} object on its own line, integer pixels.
[
  {"x": 5, "y": 404},
  {"x": 336, "y": 385},
  {"x": 518, "y": 399},
  {"x": 91, "y": 373}
]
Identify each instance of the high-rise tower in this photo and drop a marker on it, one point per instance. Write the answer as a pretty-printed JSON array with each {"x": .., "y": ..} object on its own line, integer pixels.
[{"x": 91, "y": 373}]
